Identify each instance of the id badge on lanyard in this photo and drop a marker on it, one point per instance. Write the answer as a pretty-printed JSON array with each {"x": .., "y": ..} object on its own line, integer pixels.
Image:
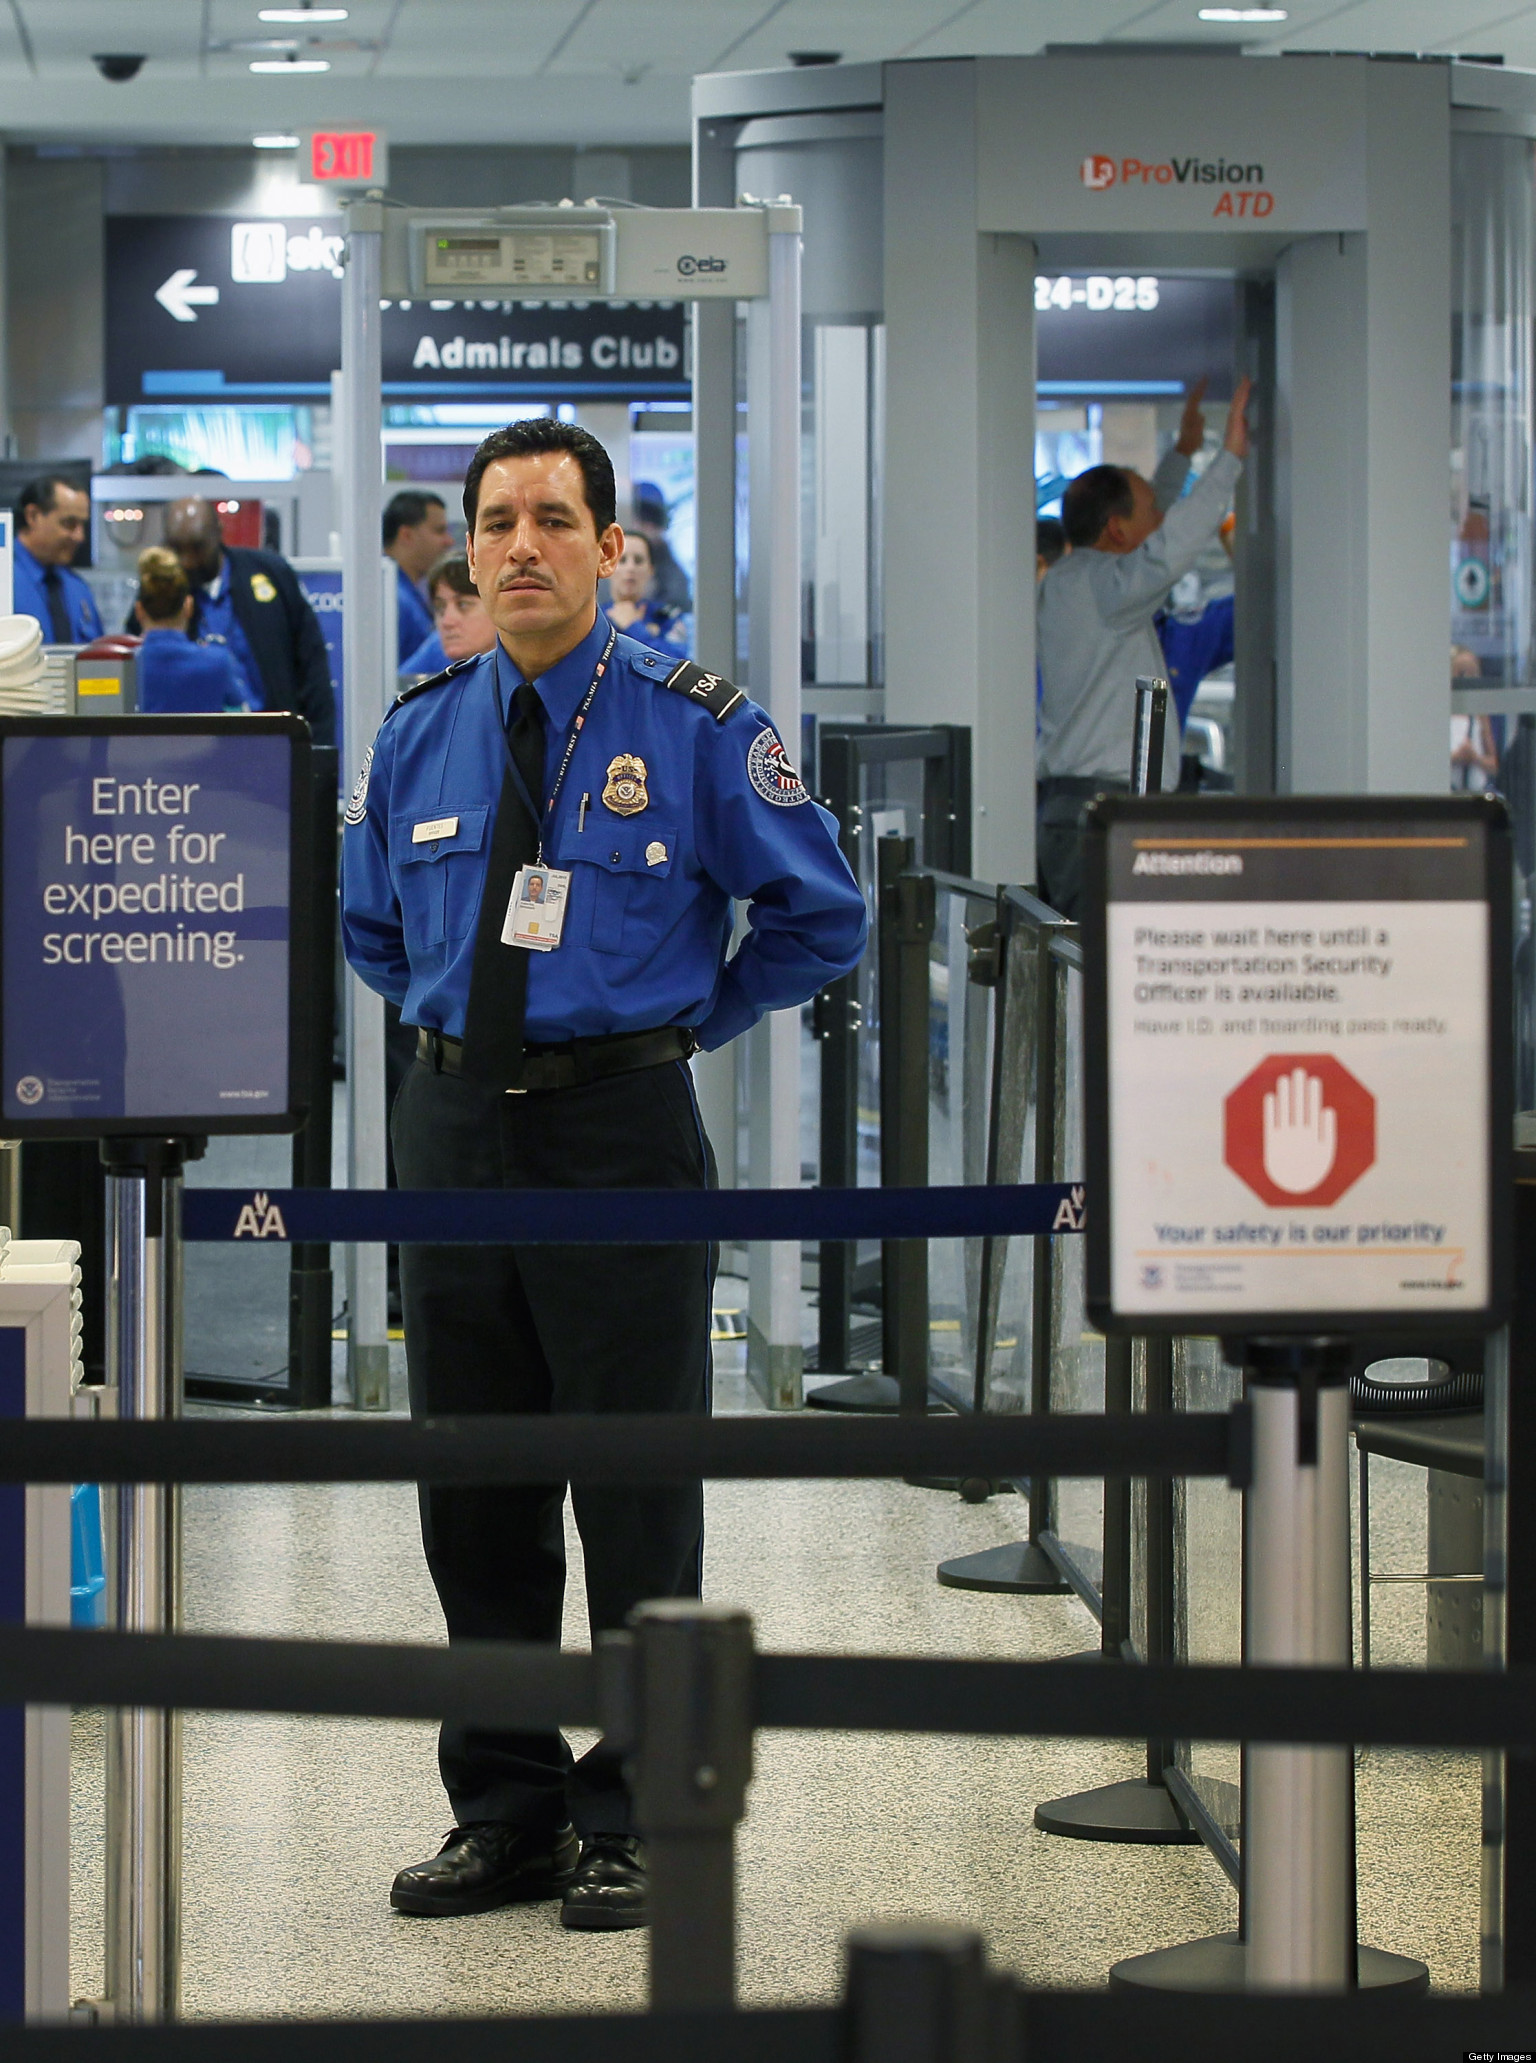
[{"x": 535, "y": 915}]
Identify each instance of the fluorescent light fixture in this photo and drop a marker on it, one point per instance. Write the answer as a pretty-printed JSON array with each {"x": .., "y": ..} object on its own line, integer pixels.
[
  {"x": 1206, "y": 14},
  {"x": 291, "y": 64},
  {"x": 274, "y": 143},
  {"x": 302, "y": 14}
]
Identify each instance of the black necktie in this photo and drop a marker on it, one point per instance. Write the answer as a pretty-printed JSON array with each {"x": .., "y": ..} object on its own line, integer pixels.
[
  {"x": 58, "y": 612},
  {"x": 498, "y": 981}
]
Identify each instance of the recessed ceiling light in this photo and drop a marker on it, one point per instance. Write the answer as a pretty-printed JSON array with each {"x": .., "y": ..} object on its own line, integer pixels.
[
  {"x": 302, "y": 14},
  {"x": 1206, "y": 14},
  {"x": 274, "y": 143},
  {"x": 291, "y": 64}
]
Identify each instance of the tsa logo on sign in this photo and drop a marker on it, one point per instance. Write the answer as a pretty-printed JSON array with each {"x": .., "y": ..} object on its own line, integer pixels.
[
  {"x": 1151, "y": 1277},
  {"x": 29, "y": 1090},
  {"x": 1097, "y": 172}
]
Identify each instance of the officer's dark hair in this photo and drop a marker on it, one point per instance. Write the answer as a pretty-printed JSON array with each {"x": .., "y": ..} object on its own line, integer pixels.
[
  {"x": 406, "y": 510},
  {"x": 41, "y": 494},
  {"x": 1050, "y": 539},
  {"x": 1091, "y": 499},
  {"x": 541, "y": 433}
]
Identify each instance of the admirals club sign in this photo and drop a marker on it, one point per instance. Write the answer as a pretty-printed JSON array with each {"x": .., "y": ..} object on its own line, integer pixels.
[{"x": 203, "y": 308}]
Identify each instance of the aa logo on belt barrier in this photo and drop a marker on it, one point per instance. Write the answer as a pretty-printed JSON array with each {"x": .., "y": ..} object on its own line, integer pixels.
[{"x": 260, "y": 1219}]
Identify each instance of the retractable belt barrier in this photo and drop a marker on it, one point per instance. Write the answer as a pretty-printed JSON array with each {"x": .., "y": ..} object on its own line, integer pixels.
[{"x": 630, "y": 1217}]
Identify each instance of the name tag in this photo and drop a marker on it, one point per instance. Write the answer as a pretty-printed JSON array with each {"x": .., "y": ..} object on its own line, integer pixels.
[{"x": 440, "y": 827}]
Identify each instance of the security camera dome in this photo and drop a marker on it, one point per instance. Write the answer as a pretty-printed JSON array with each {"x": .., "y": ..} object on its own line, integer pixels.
[{"x": 118, "y": 65}]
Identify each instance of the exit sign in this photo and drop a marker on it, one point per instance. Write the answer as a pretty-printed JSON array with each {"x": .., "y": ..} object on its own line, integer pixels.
[{"x": 348, "y": 157}]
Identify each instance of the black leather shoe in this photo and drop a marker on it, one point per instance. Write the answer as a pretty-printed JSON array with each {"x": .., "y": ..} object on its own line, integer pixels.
[
  {"x": 486, "y": 1865},
  {"x": 608, "y": 1889}
]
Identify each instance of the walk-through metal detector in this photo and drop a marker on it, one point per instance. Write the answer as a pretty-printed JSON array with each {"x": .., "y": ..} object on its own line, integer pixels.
[
  {"x": 935, "y": 191},
  {"x": 748, "y": 254}
]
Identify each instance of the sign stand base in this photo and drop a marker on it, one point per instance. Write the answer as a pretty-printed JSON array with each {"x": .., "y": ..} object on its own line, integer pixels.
[{"x": 1220, "y": 1963}]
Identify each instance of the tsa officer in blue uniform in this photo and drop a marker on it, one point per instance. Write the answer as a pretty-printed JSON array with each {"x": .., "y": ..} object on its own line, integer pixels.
[
  {"x": 646, "y": 796},
  {"x": 175, "y": 676},
  {"x": 52, "y": 517}
]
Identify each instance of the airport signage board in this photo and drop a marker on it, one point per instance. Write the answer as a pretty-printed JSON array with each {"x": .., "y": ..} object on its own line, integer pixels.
[
  {"x": 1298, "y": 1110},
  {"x": 153, "y": 899},
  {"x": 1197, "y": 144},
  {"x": 204, "y": 308}
]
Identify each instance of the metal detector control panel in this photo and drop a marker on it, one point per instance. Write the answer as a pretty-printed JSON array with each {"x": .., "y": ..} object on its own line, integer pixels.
[
  {"x": 153, "y": 899},
  {"x": 576, "y": 253},
  {"x": 1297, "y": 1049}
]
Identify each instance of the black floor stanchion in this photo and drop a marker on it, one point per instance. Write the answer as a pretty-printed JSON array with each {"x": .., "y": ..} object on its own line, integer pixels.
[
  {"x": 311, "y": 1283},
  {"x": 683, "y": 1683},
  {"x": 1022, "y": 1568},
  {"x": 906, "y": 920},
  {"x": 1138, "y": 1809},
  {"x": 924, "y": 1994}
]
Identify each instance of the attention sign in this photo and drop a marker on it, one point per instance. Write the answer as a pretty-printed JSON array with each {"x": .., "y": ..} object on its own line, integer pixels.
[{"x": 1297, "y": 1063}]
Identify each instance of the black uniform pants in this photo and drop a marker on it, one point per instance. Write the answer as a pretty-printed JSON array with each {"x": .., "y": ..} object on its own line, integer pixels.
[{"x": 552, "y": 1329}]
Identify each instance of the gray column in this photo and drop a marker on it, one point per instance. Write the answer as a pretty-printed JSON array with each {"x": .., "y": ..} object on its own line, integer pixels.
[
  {"x": 959, "y": 457},
  {"x": 1363, "y": 440}
]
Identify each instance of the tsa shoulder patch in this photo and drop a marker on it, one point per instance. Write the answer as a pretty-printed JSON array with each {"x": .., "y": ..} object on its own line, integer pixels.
[
  {"x": 772, "y": 773},
  {"x": 712, "y": 691},
  {"x": 357, "y": 807},
  {"x": 262, "y": 588}
]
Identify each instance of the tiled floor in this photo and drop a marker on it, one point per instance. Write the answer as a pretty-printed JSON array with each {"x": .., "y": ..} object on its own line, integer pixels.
[{"x": 294, "y": 1827}]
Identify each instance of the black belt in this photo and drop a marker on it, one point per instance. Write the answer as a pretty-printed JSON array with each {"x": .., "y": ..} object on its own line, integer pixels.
[
  {"x": 572, "y": 1064},
  {"x": 1080, "y": 784}
]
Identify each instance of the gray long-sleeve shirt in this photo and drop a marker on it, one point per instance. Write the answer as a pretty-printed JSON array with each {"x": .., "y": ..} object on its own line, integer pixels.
[{"x": 1096, "y": 634}]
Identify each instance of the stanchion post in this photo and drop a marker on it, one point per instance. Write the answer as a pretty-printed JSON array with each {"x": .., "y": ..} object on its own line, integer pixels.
[
  {"x": 311, "y": 1297},
  {"x": 1299, "y": 1846},
  {"x": 363, "y": 639},
  {"x": 143, "y": 1769},
  {"x": 907, "y": 907},
  {"x": 689, "y": 1737},
  {"x": 923, "y": 1994}
]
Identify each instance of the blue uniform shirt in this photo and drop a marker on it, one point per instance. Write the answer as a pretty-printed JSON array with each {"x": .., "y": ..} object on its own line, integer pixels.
[
  {"x": 178, "y": 678},
  {"x": 414, "y": 623},
  {"x": 723, "y": 817},
  {"x": 219, "y": 625},
  {"x": 428, "y": 656},
  {"x": 31, "y": 598},
  {"x": 1194, "y": 646},
  {"x": 664, "y": 630}
]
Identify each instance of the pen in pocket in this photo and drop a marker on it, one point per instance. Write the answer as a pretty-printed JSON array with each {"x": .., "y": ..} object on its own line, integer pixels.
[{"x": 581, "y": 815}]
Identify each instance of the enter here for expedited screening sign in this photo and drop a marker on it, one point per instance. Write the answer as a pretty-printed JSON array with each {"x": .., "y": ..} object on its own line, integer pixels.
[
  {"x": 1298, "y": 1034},
  {"x": 146, "y": 920}
]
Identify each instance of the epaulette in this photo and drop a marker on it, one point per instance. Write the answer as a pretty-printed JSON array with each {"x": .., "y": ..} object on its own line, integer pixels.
[
  {"x": 434, "y": 680},
  {"x": 712, "y": 691}
]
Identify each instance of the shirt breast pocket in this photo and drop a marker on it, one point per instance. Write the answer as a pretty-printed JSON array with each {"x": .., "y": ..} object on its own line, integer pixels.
[
  {"x": 635, "y": 896},
  {"x": 439, "y": 876}
]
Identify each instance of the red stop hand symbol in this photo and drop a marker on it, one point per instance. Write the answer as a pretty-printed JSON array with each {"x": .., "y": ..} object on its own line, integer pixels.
[{"x": 1300, "y": 1129}]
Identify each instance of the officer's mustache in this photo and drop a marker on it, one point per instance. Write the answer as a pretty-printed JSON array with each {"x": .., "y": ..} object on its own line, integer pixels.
[{"x": 523, "y": 576}]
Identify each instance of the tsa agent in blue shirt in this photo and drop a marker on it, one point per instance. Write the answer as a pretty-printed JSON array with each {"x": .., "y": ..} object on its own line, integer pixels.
[
  {"x": 175, "y": 676},
  {"x": 52, "y": 517},
  {"x": 1195, "y": 642},
  {"x": 608, "y": 807},
  {"x": 416, "y": 535},
  {"x": 463, "y": 627},
  {"x": 633, "y": 606}
]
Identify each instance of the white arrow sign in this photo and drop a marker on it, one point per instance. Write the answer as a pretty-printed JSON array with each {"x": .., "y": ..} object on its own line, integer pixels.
[{"x": 178, "y": 297}]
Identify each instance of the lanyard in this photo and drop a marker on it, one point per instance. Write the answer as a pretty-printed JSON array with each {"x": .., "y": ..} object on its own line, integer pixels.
[{"x": 570, "y": 743}]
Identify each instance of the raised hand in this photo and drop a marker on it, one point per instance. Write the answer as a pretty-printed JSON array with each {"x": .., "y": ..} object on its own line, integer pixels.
[
  {"x": 1301, "y": 1133},
  {"x": 1236, "y": 438},
  {"x": 1192, "y": 422}
]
